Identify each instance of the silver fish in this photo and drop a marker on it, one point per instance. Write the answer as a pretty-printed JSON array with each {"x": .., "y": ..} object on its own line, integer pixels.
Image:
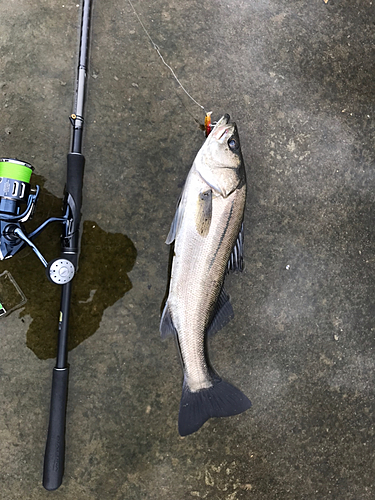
[{"x": 207, "y": 233}]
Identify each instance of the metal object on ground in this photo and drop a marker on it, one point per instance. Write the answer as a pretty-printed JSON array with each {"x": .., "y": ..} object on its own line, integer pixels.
[{"x": 11, "y": 295}]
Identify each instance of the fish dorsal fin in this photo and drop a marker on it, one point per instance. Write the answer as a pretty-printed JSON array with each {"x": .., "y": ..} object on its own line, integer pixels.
[
  {"x": 223, "y": 313},
  {"x": 235, "y": 262},
  {"x": 204, "y": 213},
  {"x": 167, "y": 328}
]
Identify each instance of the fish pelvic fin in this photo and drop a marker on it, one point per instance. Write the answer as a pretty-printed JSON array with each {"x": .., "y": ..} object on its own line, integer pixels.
[
  {"x": 176, "y": 223},
  {"x": 220, "y": 400},
  {"x": 167, "y": 328}
]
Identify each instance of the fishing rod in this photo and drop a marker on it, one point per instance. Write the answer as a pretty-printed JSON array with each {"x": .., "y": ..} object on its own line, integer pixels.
[
  {"x": 17, "y": 205},
  {"x": 55, "y": 446}
]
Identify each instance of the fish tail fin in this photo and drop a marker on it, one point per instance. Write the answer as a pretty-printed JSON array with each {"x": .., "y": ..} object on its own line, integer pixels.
[{"x": 220, "y": 400}]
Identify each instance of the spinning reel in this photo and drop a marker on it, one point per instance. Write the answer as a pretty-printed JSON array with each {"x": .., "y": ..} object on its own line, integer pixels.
[{"x": 17, "y": 206}]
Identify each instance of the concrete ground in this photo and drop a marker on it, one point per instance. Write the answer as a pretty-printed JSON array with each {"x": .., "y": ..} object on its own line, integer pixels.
[{"x": 298, "y": 78}]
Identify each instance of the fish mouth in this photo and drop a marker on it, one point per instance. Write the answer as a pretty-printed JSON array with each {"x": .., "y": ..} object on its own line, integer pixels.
[{"x": 223, "y": 129}]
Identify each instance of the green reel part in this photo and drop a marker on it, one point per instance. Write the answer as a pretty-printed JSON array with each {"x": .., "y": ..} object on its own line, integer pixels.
[{"x": 15, "y": 169}]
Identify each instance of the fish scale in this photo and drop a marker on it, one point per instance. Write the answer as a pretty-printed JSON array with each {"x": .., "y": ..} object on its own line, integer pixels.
[{"x": 201, "y": 284}]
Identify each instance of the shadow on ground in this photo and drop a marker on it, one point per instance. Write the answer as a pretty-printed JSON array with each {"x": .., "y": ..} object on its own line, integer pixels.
[{"x": 101, "y": 280}]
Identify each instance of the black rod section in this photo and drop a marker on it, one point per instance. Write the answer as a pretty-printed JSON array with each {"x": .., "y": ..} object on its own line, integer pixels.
[
  {"x": 54, "y": 457},
  {"x": 77, "y": 116},
  {"x": 62, "y": 352}
]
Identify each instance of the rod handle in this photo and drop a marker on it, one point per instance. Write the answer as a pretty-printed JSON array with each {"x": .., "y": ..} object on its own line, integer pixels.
[
  {"x": 55, "y": 447},
  {"x": 73, "y": 201},
  {"x": 74, "y": 178}
]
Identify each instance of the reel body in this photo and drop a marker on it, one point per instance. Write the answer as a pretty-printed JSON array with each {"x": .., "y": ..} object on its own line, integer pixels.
[{"x": 17, "y": 206}]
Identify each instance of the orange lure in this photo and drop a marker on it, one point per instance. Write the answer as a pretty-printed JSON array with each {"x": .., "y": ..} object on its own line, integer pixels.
[{"x": 207, "y": 124}]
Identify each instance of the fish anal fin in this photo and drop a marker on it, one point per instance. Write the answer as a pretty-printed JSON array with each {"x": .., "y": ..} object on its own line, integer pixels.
[
  {"x": 220, "y": 400},
  {"x": 235, "y": 262},
  {"x": 204, "y": 213},
  {"x": 222, "y": 314}
]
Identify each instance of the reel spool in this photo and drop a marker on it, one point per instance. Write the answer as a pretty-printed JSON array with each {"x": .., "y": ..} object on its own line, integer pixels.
[
  {"x": 14, "y": 187},
  {"x": 15, "y": 191}
]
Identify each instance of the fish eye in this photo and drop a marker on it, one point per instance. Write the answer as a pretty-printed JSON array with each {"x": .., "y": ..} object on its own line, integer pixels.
[{"x": 232, "y": 143}]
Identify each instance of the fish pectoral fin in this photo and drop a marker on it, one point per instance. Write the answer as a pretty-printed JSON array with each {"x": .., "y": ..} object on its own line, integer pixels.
[
  {"x": 222, "y": 314},
  {"x": 167, "y": 328},
  {"x": 204, "y": 212},
  {"x": 235, "y": 262}
]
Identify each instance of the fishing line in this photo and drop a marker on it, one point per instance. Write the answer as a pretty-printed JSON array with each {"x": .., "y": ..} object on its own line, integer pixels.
[{"x": 162, "y": 58}]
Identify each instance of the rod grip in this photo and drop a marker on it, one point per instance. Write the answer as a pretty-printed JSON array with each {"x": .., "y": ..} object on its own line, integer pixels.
[
  {"x": 55, "y": 447},
  {"x": 73, "y": 202}
]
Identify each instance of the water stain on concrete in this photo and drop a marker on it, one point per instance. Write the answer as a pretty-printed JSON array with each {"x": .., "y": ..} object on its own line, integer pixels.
[{"x": 102, "y": 278}]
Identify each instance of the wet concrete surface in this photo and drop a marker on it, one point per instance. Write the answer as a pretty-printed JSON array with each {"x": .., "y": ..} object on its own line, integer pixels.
[{"x": 298, "y": 78}]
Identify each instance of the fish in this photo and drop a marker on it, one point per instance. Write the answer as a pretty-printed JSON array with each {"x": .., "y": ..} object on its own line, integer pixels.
[{"x": 206, "y": 238}]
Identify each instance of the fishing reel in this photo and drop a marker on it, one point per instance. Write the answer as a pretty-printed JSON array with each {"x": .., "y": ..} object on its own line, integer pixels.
[{"x": 17, "y": 206}]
